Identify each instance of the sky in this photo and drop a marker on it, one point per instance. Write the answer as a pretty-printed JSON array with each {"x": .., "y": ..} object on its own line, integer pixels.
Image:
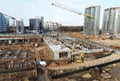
[{"x": 31, "y": 8}]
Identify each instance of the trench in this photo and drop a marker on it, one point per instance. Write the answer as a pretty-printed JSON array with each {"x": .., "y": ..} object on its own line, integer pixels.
[{"x": 82, "y": 70}]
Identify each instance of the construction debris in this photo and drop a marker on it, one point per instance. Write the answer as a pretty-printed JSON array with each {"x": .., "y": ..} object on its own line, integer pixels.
[
  {"x": 106, "y": 75},
  {"x": 86, "y": 76}
]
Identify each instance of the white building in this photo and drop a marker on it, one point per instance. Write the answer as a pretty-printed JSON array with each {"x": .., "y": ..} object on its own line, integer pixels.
[{"x": 51, "y": 26}]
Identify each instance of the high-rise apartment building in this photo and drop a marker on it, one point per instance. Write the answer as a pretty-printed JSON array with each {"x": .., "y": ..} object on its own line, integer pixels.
[
  {"x": 37, "y": 24},
  {"x": 4, "y": 23},
  {"x": 91, "y": 25},
  {"x": 111, "y": 21}
]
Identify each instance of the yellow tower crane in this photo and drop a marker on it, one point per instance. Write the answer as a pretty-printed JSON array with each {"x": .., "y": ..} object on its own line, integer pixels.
[{"x": 71, "y": 9}]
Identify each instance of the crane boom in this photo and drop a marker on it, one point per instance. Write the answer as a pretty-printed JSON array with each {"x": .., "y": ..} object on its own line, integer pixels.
[
  {"x": 10, "y": 16},
  {"x": 70, "y": 9}
]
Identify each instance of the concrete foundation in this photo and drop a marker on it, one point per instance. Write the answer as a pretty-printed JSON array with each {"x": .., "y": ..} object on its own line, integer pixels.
[
  {"x": 14, "y": 40},
  {"x": 57, "y": 50}
]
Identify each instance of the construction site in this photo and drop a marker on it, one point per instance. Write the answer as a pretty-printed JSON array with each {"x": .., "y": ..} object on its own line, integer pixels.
[
  {"x": 60, "y": 56},
  {"x": 63, "y": 53}
]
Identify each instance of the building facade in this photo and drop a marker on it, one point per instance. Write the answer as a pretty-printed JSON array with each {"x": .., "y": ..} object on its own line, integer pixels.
[
  {"x": 4, "y": 23},
  {"x": 111, "y": 21},
  {"x": 91, "y": 25},
  {"x": 51, "y": 26},
  {"x": 37, "y": 25},
  {"x": 20, "y": 26}
]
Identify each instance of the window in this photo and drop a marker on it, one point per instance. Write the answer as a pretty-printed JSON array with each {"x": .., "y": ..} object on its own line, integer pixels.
[{"x": 63, "y": 54}]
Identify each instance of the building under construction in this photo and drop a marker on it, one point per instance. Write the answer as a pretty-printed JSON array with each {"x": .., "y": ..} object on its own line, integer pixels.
[
  {"x": 51, "y": 26},
  {"x": 91, "y": 25},
  {"x": 4, "y": 23},
  {"x": 36, "y": 24},
  {"x": 59, "y": 53},
  {"x": 63, "y": 47},
  {"x": 111, "y": 22}
]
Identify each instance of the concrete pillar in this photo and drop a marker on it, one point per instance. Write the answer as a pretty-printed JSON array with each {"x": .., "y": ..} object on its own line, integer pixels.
[
  {"x": 9, "y": 41},
  {"x": 56, "y": 55},
  {"x": 28, "y": 40},
  {"x": 23, "y": 40},
  {"x": 69, "y": 55}
]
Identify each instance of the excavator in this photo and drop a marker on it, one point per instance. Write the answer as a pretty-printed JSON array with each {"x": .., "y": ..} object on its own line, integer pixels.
[{"x": 78, "y": 58}]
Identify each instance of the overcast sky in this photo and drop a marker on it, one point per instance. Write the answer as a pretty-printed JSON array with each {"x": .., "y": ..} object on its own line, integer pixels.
[{"x": 30, "y": 8}]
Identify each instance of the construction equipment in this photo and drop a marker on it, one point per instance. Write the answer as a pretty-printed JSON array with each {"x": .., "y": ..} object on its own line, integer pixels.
[
  {"x": 74, "y": 58},
  {"x": 70, "y": 9},
  {"x": 80, "y": 58},
  {"x": 77, "y": 58}
]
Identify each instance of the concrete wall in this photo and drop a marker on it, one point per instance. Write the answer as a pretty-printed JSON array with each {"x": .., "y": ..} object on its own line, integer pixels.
[{"x": 55, "y": 53}]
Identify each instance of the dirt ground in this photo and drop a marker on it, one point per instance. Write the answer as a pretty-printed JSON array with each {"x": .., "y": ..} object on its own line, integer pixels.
[
  {"x": 113, "y": 70},
  {"x": 42, "y": 52}
]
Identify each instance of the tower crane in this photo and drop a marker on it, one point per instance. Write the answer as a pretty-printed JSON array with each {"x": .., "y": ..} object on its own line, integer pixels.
[
  {"x": 14, "y": 20},
  {"x": 74, "y": 11},
  {"x": 10, "y": 16},
  {"x": 70, "y": 9}
]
